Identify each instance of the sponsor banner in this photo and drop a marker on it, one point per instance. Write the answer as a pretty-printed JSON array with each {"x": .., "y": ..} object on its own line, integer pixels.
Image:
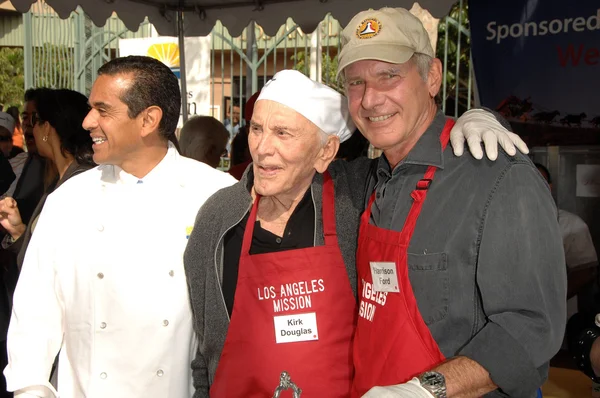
[{"x": 538, "y": 63}]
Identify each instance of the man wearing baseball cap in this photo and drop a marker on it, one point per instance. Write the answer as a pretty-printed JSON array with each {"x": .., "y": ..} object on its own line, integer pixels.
[
  {"x": 270, "y": 263},
  {"x": 460, "y": 295}
]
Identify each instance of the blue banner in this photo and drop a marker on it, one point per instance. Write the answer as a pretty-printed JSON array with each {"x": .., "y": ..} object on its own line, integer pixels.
[{"x": 538, "y": 63}]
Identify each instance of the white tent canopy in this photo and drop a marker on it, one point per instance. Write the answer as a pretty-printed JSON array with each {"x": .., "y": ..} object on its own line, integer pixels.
[{"x": 199, "y": 16}]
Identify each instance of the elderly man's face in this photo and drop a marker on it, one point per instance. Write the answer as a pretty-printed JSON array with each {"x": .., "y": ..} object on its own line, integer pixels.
[
  {"x": 388, "y": 102},
  {"x": 285, "y": 149}
]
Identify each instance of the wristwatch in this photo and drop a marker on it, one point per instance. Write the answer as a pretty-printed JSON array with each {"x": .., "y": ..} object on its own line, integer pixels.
[{"x": 435, "y": 383}]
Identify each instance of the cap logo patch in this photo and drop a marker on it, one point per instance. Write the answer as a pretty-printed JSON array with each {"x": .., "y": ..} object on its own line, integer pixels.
[{"x": 368, "y": 28}]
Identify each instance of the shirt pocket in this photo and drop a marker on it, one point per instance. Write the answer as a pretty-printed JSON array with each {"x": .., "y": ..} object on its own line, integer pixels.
[{"x": 428, "y": 274}]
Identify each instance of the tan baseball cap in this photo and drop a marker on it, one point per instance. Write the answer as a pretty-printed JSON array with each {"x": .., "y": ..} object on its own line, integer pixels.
[{"x": 388, "y": 34}]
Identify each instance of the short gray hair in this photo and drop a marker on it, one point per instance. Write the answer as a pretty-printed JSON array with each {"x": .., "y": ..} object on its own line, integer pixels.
[
  {"x": 323, "y": 136},
  {"x": 423, "y": 64}
]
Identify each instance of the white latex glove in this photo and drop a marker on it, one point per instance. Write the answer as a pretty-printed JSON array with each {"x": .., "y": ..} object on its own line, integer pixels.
[
  {"x": 35, "y": 392},
  {"x": 411, "y": 389},
  {"x": 478, "y": 125}
]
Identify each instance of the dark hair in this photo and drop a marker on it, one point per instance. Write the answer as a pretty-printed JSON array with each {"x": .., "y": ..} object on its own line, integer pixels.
[
  {"x": 153, "y": 84},
  {"x": 14, "y": 112},
  {"x": 65, "y": 110},
  {"x": 240, "y": 151},
  {"x": 544, "y": 171},
  {"x": 355, "y": 147},
  {"x": 31, "y": 94}
]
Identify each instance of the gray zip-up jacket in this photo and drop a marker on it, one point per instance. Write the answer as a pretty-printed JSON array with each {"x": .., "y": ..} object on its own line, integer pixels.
[{"x": 203, "y": 259}]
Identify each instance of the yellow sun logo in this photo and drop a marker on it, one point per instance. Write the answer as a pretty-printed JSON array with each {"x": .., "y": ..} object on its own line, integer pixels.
[
  {"x": 368, "y": 28},
  {"x": 167, "y": 53}
]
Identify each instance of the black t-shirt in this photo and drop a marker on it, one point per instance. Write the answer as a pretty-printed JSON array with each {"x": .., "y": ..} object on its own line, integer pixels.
[{"x": 299, "y": 234}]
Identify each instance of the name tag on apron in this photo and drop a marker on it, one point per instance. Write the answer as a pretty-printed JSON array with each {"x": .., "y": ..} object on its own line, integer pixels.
[
  {"x": 385, "y": 278},
  {"x": 295, "y": 328}
]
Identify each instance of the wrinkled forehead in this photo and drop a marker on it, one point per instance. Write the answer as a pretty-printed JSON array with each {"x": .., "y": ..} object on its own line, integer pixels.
[{"x": 271, "y": 114}]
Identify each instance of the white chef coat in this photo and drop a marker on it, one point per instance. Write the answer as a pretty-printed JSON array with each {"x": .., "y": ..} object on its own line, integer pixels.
[
  {"x": 579, "y": 248},
  {"x": 103, "y": 282}
]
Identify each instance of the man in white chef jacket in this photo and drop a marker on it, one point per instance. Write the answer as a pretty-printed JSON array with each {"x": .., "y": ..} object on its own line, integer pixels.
[{"x": 103, "y": 280}]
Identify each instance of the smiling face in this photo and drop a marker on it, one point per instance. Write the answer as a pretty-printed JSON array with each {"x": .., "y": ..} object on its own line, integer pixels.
[
  {"x": 116, "y": 136},
  {"x": 391, "y": 104},
  {"x": 286, "y": 149}
]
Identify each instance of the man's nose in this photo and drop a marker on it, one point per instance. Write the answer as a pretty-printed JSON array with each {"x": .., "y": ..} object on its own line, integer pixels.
[{"x": 372, "y": 98}]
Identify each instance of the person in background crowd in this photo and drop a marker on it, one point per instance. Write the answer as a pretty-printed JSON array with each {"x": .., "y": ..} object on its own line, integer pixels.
[
  {"x": 15, "y": 155},
  {"x": 31, "y": 183},
  {"x": 460, "y": 293},
  {"x": 18, "y": 131},
  {"x": 240, "y": 153},
  {"x": 232, "y": 122},
  {"x": 7, "y": 126},
  {"x": 204, "y": 139},
  {"x": 59, "y": 138},
  {"x": 7, "y": 175},
  {"x": 270, "y": 262},
  {"x": 580, "y": 255},
  {"x": 102, "y": 281}
]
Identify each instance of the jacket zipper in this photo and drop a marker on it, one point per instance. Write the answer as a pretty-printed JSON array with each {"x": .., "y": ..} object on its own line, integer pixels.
[{"x": 219, "y": 276}]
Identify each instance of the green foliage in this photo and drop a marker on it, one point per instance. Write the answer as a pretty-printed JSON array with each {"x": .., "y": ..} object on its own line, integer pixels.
[
  {"x": 329, "y": 67},
  {"x": 459, "y": 53},
  {"x": 11, "y": 76}
]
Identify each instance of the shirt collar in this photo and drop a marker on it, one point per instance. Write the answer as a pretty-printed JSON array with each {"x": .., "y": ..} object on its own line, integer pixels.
[
  {"x": 426, "y": 152},
  {"x": 163, "y": 170}
]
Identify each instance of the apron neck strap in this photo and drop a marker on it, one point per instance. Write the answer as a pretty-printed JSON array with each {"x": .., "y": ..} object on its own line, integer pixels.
[
  {"x": 423, "y": 185},
  {"x": 420, "y": 192},
  {"x": 328, "y": 213}
]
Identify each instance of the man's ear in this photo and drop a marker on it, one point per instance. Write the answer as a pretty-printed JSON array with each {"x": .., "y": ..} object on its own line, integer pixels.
[
  {"x": 434, "y": 77},
  {"x": 151, "y": 118},
  {"x": 327, "y": 153}
]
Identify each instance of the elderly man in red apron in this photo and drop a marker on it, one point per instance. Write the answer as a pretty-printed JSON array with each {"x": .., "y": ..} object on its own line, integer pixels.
[{"x": 461, "y": 293}]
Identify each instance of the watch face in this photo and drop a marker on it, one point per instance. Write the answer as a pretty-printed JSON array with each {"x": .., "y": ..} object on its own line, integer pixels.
[{"x": 435, "y": 383}]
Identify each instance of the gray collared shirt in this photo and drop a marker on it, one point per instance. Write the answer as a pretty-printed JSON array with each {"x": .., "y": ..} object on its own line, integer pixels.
[{"x": 486, "y": 260}]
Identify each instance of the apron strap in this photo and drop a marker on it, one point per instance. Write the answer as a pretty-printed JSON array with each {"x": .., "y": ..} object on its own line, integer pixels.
[
  {"x": 249, "y": 231},
  {"x": 420, "y": 192},
  {"x": 328, "y": 211}
]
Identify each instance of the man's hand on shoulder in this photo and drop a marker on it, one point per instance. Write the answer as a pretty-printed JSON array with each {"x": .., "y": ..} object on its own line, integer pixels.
[{"x": 478, "y": 125}]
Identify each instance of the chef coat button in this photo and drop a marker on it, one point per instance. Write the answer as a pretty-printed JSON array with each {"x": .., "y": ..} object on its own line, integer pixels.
[
  {"x": 103, "y": 325},
  {"x": 160, "y": 373},
  {"x": 103, "y": 375},
  {"x": 278, "y": 240},
  {"x": 165, "y": 323},
  {"x": 171, "y": 273},
  {"x": 378, "y": 195},
  {"x": 100, "y": 227},
  {"x": 100, "y": 275}
]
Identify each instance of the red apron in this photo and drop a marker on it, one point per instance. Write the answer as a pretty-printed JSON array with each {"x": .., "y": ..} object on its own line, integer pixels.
[
  {"x": 293, "y": 312},
  {"x": 392, "y": 342}
]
